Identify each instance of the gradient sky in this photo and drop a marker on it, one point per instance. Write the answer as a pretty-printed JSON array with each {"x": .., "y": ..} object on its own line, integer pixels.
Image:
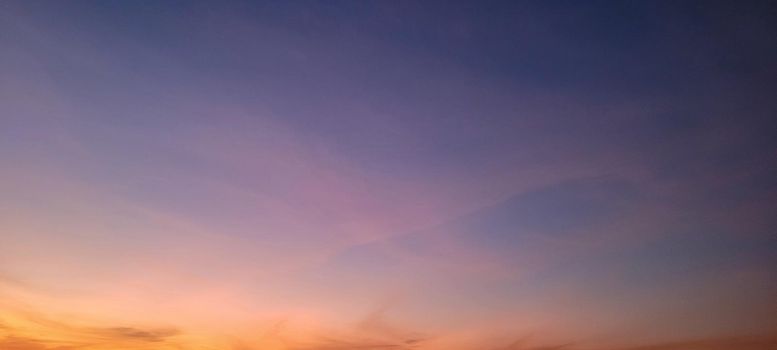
[{"x": 341, "y": 175}]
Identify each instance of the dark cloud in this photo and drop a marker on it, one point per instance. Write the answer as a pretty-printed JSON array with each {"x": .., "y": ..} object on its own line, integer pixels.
[{"x": 155, "y": 335}]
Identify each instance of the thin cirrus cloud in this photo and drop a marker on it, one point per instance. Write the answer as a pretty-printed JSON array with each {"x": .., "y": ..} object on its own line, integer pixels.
[{"x": 386, "y": 175}]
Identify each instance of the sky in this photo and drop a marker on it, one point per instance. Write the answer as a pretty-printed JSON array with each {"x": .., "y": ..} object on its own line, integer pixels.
[{"x": 408, "y": 175}]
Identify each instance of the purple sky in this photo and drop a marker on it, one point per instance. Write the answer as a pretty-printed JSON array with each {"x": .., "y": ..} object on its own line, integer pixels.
[{"x": 338, "y": 175}]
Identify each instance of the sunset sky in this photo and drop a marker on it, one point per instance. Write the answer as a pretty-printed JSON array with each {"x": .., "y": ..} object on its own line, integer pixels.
[{"x": 401, "y": 175}]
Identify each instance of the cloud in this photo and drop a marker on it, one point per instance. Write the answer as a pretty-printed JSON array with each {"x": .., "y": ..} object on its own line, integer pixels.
[
  {"x": 531, "y": 227},
  {"x": 146, "y": 335},
  {"x": 24, "y": 328}
]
